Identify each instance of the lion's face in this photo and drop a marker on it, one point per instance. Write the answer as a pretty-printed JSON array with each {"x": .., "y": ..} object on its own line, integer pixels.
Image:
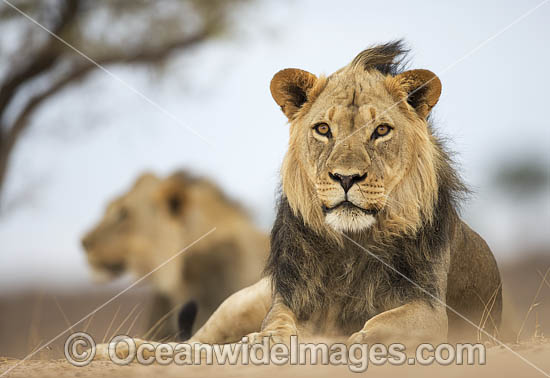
[
  {"x": 353, "y": 151},
  {"x": 131, "y": 228},
  {"x": 360, "y": 149},
  {"x": 150, "y": 223}
]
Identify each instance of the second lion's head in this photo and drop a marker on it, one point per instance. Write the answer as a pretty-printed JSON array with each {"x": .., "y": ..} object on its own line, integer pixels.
[{"x": 361, "y": 153}]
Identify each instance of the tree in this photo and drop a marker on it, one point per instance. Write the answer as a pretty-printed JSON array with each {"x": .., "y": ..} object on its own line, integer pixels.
[
  {"x": 108, "y": 31},
  {"x": 524, "y": 178}
]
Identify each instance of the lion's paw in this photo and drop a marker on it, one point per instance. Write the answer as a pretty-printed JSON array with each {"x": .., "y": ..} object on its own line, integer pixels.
[
  {"x": 274, "y": 337},
  {"x": 388, "y": 336},
  {"x": 374, "y": 335},
  {"x": 102, "y": 352},
  {"x": 122, "y": 349},
  {"x": 360, "y": 337}
]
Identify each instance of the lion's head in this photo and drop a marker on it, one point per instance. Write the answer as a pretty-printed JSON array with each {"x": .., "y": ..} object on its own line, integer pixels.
[
  {"x": 361, "y": 153},
  {"x": 152, "y": 221}
]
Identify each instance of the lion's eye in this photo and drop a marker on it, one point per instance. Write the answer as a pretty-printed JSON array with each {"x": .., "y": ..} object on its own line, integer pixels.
[
  {"x": 381, "y": 131},
  {"x": 322, "y": 129}
]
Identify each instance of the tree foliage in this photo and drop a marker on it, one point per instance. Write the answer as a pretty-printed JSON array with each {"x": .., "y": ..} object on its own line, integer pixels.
[{"x": 38, "y": 62}]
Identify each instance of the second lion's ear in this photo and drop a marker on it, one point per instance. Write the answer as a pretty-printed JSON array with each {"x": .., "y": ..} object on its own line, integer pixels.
[
  {"x": 290, "y": 88},
  {"x": 172, "y": 195},
  {"x": 175, "y": 203}
]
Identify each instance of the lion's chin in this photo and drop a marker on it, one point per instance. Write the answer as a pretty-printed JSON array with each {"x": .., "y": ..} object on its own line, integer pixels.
[
  {"x": 101, "y": 276},
  {"x": 349, "y": 220},
  {"x": 105, "y": 273}
]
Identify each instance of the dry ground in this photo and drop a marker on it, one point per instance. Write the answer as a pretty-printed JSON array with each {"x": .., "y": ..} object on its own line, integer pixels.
[
  {"x": 29, "y": 319},
  {"x": 500, "y": 363}
]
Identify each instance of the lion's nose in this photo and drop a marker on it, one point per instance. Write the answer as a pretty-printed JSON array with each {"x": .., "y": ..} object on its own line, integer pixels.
[{"x": 347, "y": 181}]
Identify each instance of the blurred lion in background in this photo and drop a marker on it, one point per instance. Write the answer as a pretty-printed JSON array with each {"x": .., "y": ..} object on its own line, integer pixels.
[{"x": 156, "y": 219}]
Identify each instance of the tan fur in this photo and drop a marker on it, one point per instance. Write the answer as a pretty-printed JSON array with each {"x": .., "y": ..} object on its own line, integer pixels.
[
  {"x": 157, "y": 218},
  {"x": 402, "y": 184},
  {"x": 407, "y": 187}
]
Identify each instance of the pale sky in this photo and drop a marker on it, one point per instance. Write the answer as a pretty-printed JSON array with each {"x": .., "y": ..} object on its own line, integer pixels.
[{"x": 89, "y": 143}]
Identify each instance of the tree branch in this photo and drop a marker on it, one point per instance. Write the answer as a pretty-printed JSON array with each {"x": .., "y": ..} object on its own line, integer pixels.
[
  {"x": 42, "y": 61},
  {"x": 143, "y": 57},
  {"x": 157, "y": 54}
]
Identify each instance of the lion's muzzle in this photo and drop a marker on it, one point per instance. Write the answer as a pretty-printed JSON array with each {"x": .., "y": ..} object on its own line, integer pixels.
[{"x": 347, "y": 181}]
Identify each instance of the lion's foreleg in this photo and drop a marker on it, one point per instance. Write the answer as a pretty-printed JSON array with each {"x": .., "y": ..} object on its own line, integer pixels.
[
  {"x": 417, "y": 321},
  {"x": 411, "y": 324},
  {"x": 240, "y": 314},
  {"x": 278, "y": 325}
]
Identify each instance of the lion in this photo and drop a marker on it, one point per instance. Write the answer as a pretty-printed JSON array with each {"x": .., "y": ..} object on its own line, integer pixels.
[
  {"x": 159, "y": 217},
  {"x": 368, "y": 245}
]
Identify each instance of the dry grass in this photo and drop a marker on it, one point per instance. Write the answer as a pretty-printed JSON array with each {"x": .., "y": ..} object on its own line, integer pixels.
[
  {"x": 40, "y": 320},
  {"x": 534, "y": 304}
]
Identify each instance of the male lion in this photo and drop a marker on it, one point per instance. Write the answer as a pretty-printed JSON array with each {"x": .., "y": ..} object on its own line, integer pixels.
[
  {"x": 367, "y": 243},
  {"x": 156, "y": 219}
]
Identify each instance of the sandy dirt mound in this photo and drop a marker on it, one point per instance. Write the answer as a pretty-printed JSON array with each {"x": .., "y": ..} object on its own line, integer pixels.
[{"x": 500, "y": 363}]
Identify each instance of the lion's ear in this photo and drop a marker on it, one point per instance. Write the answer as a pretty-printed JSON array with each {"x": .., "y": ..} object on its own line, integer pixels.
[
  {"x": 172, "y": 195},
  {"x": 290, "y": 88},
  {"x": 422, "y": 88}
]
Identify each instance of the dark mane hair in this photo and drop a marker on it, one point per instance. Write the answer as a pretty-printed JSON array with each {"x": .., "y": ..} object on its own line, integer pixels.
[
  {"x": 311, "y": 271},
  {"x": 389, "y": 58}
]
